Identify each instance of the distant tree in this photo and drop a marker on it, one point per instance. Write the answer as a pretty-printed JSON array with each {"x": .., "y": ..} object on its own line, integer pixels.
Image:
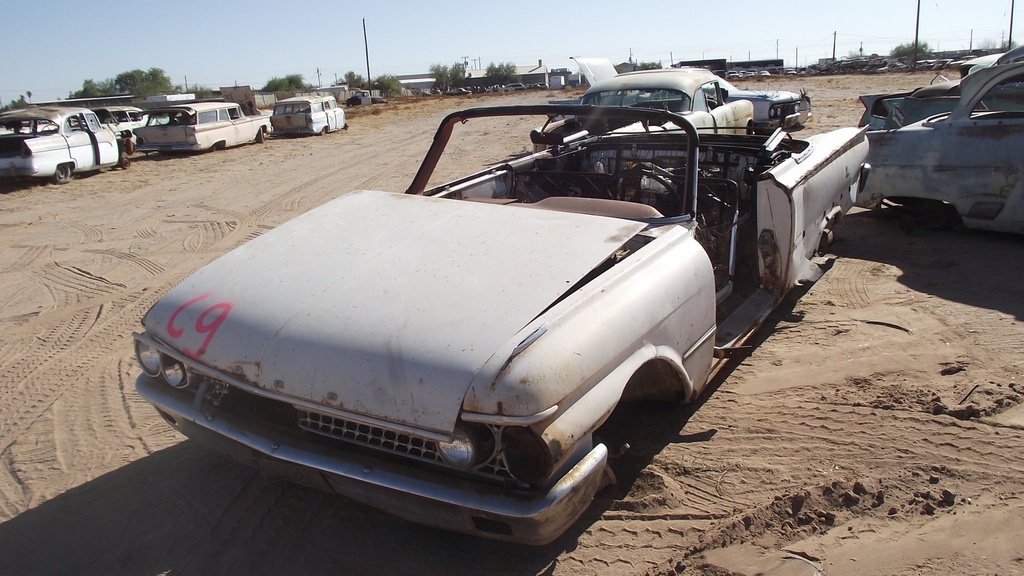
[
  {"x": 990, "y": 45},
  {"x": 354, "y": 80},
  {"x": 91, "y": 89},
  {"x": 442, "y": 76},
  {"x": 648, "y": 65},
  {"x": 201, "y": 91},
  {"x": 290, "y": 83},
  {"x": 907, "y": 50},
  {"x": 16, "y": 104},
  {"x": 458, "y": 75},
  {"x": 136, "y": 82},
  {"x": 448, "y": 77},
  {"x": 387, "y": 84},
  {"x": 144, "y": 84},
  {"x": 503, "y": 73}
]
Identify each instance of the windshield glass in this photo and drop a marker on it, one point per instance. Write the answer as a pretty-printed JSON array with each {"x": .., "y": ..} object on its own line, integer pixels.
[
  {"x": 661, "y": 99},
  {"x": 292, "y": 108},
  {"x": 170, "y": 118}
]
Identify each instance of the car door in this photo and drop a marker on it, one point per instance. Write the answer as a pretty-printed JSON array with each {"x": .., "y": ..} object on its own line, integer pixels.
[
  {"x": 331, "y": 112},
  {"x": 979, "y": 167},
  {"x": 81, "y": 145},
  {"x": 103, "y": 139},
  {"x": 724, "y": 113},
  {"x": 234, "y": 124}
]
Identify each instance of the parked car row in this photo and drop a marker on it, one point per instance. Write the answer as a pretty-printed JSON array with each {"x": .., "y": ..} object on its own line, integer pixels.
[{"x": 58, "y": 142}]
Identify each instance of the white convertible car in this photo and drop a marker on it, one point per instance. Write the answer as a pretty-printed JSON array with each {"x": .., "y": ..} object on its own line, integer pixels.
[{"x": 448, "y": 355}]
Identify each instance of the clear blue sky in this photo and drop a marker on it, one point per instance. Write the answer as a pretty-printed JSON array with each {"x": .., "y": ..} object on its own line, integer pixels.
[{"x": 50, "y": 47}]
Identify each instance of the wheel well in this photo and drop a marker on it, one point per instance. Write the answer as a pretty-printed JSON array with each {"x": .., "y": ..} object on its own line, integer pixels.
[{"x": 656, "y": 380}]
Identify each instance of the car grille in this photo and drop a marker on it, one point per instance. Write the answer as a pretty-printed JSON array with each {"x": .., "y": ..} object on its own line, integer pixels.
[
  {"x": 340, "y": 428},
  {"x": 384, "y": 439},
  {"x": 335, "y": 427}
]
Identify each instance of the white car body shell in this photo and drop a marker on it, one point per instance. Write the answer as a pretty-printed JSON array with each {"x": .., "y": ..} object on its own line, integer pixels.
[
  {"x": 210, "y": 125},
  {"x": 772, "y": 109},
  {"x": 413, "y": 316},
  {"x": 967, "y": 158},
  {"x": 122, "y": 118},
  {"x": 307, "y": 115},
  {"x": 53, "y": 137},
  {"x": 708, "y": 109}
]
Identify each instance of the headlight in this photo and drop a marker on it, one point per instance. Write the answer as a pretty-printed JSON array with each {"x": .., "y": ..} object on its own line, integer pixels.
[
  {"x": 529, "y": 459},
  {"x": 148, "y": 357},
  {"x": 460, "y": 452},
  {"x": 174, "y": 372}
]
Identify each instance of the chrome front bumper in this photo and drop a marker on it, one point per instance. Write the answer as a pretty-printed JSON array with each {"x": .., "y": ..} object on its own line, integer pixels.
[{"x": 412, "y": 493}]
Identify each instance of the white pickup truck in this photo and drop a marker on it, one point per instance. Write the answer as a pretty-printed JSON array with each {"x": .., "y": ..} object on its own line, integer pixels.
[{"x": 200, "y": 126}]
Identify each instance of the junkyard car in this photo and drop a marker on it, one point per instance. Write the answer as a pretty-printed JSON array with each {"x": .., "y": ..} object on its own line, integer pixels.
[
  {"x": 121, "y": 118},
  {"x": 890, "y": 111},
  {"x": 363, "y": 97},
  {"x": 448, "y": 355},
  {"x": 960, "y": 166},
  {"x": 308, "y": 115},
  {"x": 200, "y": 126},
  {"x": 693, "y": 92},
  {"x": 773, "y": 109},
  {"x": 56, "y": 143}
]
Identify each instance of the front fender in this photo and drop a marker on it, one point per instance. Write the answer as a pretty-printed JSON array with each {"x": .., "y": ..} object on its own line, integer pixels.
[{"x": 577, "y": 422}]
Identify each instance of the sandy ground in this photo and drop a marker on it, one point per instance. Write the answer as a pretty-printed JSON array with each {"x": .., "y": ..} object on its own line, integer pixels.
[{"x": 841, "y": 443}]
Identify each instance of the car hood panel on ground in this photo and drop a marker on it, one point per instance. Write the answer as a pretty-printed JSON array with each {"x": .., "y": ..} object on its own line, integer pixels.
[{"x": 382, "y": 304}]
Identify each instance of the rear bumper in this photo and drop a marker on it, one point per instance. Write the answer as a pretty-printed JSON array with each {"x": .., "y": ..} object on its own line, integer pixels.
[
  {"x": 19, "y": 170},
  {"x": 418, "y": 495}
]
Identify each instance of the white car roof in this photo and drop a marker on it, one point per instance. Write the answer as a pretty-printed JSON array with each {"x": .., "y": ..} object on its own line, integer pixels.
[
  {"x": 52, "y": 113},
  {"x": 686, "y": 80},
  {"x": 305, "y": 99}
]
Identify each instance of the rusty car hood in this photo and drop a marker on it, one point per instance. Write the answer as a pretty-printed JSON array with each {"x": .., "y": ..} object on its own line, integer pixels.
[{"x": 382, "y": 304}]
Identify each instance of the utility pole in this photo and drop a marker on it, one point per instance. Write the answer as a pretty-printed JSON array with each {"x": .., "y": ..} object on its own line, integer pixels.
[
  {"x": 917, "y": 28},
  {"x": 1009, "y": 39},
  {"x": 366, "y": 46},
  {"x": 776, "y": 49},
  {"x": 833, "y": 45},
  {"x": 318, "y": 83}
]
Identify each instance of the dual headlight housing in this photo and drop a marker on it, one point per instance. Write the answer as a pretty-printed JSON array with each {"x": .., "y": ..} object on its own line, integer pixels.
[{"x": 156, "y": 364}]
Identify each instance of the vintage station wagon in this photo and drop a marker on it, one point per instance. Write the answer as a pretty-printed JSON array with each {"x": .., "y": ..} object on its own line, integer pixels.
[
  {"x": 308, "y": 115},
  {"x": 200, "y": 126}
]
